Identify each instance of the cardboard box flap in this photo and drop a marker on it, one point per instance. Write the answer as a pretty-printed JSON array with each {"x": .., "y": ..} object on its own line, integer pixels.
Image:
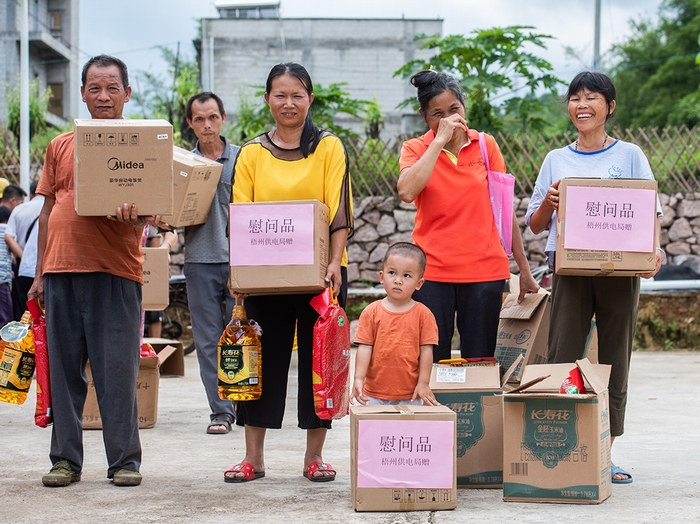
[
  {"x": 509, "y": 372},
  {"x": 596, "y": 375},
  {"x": 444, "y": 376},
  {"x": 523, "y": 311},
  {"x": 403, "y": 409},
  {"x": 557, "y": 373},
  {"x": 164, "y": 353}
]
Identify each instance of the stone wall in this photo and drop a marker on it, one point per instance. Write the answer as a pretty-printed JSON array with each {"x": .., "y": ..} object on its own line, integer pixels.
[{"x": 382, "y": 221}]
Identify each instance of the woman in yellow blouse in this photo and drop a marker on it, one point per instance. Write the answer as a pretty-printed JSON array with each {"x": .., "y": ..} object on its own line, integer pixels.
[{"x": 293, "y": 161}]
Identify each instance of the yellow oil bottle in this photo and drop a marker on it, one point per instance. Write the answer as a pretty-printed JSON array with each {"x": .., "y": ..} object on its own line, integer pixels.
[
  {"x": 17, "y": 362},
  {"x": 240, "y": 357}
]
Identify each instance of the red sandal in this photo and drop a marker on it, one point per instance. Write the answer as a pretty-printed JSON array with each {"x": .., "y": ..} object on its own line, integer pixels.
[
  {"x": 247, "y": 469},
  {"x": 319, "y": 466}
]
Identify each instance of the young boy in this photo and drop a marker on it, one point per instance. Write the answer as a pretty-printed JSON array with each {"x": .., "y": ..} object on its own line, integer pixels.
[{"x": 396, "y": 335}]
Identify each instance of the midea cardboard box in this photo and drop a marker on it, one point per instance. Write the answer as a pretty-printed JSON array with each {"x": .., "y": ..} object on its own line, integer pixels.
[
  {"x": 156, "y": 275},
  {"x": 123, "y": 161},
  {"x": 523, "y": 329},
  {"x": 279, "y": 247},
  {"x": 147, "y": 385},
  {"x": 473, "y": 392},
  {"x": 606, "y": 227},
  {"x": 556, "y": 447},
  {"x": 402, "y": 458},
  {"x": 195, "y": 179}
]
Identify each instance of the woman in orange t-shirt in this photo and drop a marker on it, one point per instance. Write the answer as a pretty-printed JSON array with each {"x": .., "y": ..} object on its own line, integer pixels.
[{"x": 444, "y": 173}]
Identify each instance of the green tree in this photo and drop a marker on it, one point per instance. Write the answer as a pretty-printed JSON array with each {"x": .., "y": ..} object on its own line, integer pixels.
[
  {"x": 489, "y": 62},
  {"x": 166, "y": 98},
  {"x": 38, "y": 108},
  {"x": 329, "y": 102},
  {"x": 656, "y": 82}
]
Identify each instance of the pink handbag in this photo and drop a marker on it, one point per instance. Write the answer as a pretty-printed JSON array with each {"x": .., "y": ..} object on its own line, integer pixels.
[{"x": 501, "y": 194}]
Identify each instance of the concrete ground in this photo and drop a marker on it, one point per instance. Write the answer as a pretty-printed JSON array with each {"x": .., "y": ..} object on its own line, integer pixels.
[{"x": 183, "y": 466}]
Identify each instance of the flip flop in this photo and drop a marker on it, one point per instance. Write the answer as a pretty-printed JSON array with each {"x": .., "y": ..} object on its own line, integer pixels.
[
  {"x": 614, "y": 470},
  {"x": 319, "y": 466},
  {"x": 247, "y": 469},
  {"x": 214, "y": 428}
]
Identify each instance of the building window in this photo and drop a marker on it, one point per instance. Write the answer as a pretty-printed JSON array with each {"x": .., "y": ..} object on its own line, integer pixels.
[
  {"x": 56, "y": 100},
  {"x": 56, "y": 24}
]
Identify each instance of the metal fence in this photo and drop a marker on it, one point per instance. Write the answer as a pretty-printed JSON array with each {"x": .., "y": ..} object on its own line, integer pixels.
[{"x": 374, "y": 163}]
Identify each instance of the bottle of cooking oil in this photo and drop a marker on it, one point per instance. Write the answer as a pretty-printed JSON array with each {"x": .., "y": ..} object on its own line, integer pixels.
[
  {"x": 240, "y": 357},
  {"x": 17, "y": 362}
]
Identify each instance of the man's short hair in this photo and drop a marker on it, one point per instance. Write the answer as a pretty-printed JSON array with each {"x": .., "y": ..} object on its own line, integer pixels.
[
  {"x": 201, "y": 98},
  {"x": 406, "y": 249},
  {"x": 13, "y": 191},
  {"x": 106, "y": 61}
]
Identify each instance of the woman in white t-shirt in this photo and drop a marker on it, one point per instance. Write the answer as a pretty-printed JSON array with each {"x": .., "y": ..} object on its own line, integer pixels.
[{"x": 575, "y": 299}]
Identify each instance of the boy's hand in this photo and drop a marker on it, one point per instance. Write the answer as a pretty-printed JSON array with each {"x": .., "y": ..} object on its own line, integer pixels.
[
  {"x": 424, "y": 393},
  {"x": 357, "y": 394}
]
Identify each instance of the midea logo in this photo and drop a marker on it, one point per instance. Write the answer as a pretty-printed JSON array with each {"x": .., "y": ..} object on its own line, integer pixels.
[{"x": 114, "y": 164}]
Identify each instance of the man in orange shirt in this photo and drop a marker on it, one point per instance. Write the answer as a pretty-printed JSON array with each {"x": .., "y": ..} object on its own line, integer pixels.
[{"x": 89, "y": 276}]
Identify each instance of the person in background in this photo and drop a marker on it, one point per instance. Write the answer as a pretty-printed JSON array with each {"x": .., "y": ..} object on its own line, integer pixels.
[
  {"x": 293, "y": 161},
  {"x": 207, "y": 257},
  {"x": 21, "y": 237},
  {"x": 6, "y": 314},
  {"x": 444, "y": 173},
  {"x": 12, "y": 196},
  {"x": 89, "y": 274},
  {"x": 396, "y": 335},
  {"x": 575, "y": 299}
]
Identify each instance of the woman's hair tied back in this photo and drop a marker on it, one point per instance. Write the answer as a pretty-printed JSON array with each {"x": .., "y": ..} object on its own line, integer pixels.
[{"x": 431, "y": 83}]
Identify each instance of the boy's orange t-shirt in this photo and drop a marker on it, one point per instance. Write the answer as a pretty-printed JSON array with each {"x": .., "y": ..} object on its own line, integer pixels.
[
  {"x": 395, "y": 339},
  {"x": 454, "y": 224}
]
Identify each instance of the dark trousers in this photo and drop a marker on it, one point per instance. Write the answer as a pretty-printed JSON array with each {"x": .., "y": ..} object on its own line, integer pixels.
[
  {"x": 478, "y": 306},
  {"x": 94, "y": 316},
  {"x": 614, "y": 301},
  {"x": 20, "y": 288},
  {"x": 277, "y": 316}
]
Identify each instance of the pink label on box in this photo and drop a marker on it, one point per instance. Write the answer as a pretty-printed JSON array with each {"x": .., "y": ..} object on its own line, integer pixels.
[
  {"x": 405, "y": 454},
  {"x": 610, "y": 219},
  {"x": 271, "y": 235}
]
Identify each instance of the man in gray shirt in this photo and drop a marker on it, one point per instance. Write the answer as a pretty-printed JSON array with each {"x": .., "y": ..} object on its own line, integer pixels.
[{"x": 207, "y": 255}]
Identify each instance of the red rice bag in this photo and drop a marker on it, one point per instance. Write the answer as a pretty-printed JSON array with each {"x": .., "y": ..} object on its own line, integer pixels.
[
  {"x": 42, "y": 414},
  {"x": 331, "y": 358}
]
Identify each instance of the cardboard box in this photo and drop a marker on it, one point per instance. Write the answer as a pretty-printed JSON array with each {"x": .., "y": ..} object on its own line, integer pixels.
[
  {"x": 556, "y": 447},
  {"x": 610, "y": 227},
  {"x": 195, "y": 179},
  {"x": 523, "y": 329},
  {"x": 147, "y": 385},
  {"x": 118, "y": 161},
  {"x": 279, "y": 247},
  {"x": 403, "y": 458},
  {"x": 156, "y": 275},
  {"x": 174, "y": 366},
  {"x": 473, "y": 392}
]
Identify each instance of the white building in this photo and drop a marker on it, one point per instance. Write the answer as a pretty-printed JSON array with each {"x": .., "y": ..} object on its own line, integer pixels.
[
  {"x": 238, "y": 49},
  {"x": 53, "y": 53}
]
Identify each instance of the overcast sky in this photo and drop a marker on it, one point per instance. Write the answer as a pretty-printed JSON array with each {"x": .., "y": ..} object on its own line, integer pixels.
[{"x": 131, "y": 29}]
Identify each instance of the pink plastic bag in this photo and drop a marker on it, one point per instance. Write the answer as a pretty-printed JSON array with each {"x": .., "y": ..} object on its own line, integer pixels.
[
  {"x": 501, "y": 193},
  {"x": 331, "y": 358}
]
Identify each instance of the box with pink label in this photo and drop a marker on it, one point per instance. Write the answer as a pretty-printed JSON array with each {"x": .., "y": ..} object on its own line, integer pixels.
[
  {"x": 403, "y": 458},
  {"x": 279, "y": 247}
]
